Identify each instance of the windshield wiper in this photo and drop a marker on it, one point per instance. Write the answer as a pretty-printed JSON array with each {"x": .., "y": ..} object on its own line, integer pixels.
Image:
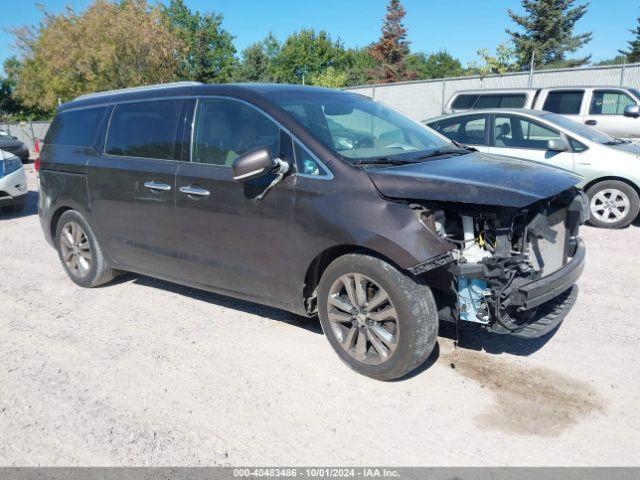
[
  {"x": 382, "y": 161},
  {"x": 439, "y": 153},
  {"x": 464, "y": 147}
]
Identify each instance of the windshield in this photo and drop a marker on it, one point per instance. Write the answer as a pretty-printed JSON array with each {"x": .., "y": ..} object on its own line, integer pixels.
[
  {"x": 358, "y": 128},
  {"x": 4, "y": 134},
  {"x": 580, "y": 129}
]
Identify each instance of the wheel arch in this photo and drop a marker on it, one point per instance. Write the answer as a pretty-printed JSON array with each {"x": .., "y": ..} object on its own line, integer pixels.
[
  {"x": 612, "y": 177},
  {"x": 55, "y": 218}
]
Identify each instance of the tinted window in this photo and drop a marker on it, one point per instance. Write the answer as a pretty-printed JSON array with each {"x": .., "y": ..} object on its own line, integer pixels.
[
  {"x": 464, "y": 102},
  {"x": 225, "y": 129},
  {"x": 468, "y": 130},
  {"x": 517, "y": 132},
  {"x": 610, "y": 102},
  {"x": 76, "y": 127},
  {"x": 500, "y": 101},
  {"x": 144, "y": 129},
  {"x": 564, "y": 102}
]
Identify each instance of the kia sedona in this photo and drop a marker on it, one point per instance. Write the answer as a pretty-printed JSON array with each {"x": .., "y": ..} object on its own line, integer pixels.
[{"x": 316, "y": 201}]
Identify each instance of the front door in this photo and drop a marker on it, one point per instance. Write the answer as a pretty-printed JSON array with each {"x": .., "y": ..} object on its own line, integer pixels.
[
  {"x": 229, "y": 239},
  {"x": 521, "y": 137},
  {"x": 132, "y": 186},
  {"x": 606, "y": 113}
]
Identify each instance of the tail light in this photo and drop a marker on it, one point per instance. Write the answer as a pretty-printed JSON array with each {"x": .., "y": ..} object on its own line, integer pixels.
[{"x": 36, "y": 164}]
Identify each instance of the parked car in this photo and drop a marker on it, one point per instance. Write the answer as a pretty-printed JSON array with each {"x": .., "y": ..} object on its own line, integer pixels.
[
  {"x": 613, "y": 110},
  {"x": 252, "y": 191},
  {"x": 13, "y": 183},
  {"x": 610, "y": 167},
  {"x": 11, "y": 144}
]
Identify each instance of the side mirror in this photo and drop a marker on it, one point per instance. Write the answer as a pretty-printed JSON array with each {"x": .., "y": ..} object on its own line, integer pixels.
[
  {"x": 15, "y": 138},
  {"x": 632, "y": 111},
  {"x": 253, "y": 164},
  {"x": 557, "y": 145}
]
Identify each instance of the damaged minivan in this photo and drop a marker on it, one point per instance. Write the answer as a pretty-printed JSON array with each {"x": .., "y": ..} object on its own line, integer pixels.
[{"x": 316, "y": 201}]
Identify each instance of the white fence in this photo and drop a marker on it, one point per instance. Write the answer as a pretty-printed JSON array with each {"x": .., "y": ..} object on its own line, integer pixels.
[
  {"x": 27, "y": 132},
  {"x": 425, "y": 98}
]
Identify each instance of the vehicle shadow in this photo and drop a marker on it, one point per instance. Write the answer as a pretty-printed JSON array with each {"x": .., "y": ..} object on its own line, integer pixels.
[
  {"x": 30, "y": 208},
  {"x": 474, "y": 337},
  {"x": 310, "y": 324}
]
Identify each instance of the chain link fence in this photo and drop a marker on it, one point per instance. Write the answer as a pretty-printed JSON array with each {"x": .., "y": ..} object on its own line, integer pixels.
[
  {"x": 426, "y": 98},
  {"x": 27, "y": 132}
]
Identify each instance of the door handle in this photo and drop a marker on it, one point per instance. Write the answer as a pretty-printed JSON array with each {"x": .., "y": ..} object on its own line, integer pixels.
[
  {"x": 194, "y": 190},
  {"x": 161, "y": 187},
  {"x": 591, "y": 122}
]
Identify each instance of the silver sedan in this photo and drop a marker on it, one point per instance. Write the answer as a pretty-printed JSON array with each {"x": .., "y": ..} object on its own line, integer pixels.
[{"x": 610, "y": 166}]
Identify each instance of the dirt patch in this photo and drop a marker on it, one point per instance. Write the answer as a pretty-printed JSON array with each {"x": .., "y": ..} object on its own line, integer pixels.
[{"x": 528, "y": 400}]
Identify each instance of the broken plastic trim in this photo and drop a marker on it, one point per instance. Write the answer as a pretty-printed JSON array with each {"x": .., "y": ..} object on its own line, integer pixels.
[{"x": 280, "y": 171}]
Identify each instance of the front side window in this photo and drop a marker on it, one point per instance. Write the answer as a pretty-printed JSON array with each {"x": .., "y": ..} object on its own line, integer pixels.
[
  {"x": 356, "y": 127},
  {"x": 609, "y": 102},
  {"x": 225, "y": 129},
  {"x": 467, "y": 130},
  {"x": 565, "y": 102},
  {"x": 75, "y": 127},
  {"x": 144, "y": 129},
  {"x": 517, "y": 132}
]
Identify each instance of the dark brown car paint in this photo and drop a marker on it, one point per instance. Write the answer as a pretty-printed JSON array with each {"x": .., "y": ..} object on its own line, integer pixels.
[{"x": 229, "y": 243}]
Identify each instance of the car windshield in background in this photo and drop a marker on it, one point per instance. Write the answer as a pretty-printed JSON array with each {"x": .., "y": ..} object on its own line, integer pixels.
[
  {"x": 580, "y": 129},
  {"x": 4, "y": 134},
  {"x": 358, "y": 128}
]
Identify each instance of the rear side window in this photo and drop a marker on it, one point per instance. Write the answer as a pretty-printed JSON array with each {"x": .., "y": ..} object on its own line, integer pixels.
[
  {"x": 464, "y": 102},
  {"x": 144, "y": 129},
  {"x": 469, "y": 130},
  {"x": 501, "y": 101},
  {"x": 75, "y": 127},
  {"x": 564, "y": 102}
]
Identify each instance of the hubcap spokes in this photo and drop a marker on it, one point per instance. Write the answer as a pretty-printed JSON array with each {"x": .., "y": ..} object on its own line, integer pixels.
[
  {"x": 610, "y": 205},
  {"x": 363, "y": 318},
  {"x": 75, "y": 248}
]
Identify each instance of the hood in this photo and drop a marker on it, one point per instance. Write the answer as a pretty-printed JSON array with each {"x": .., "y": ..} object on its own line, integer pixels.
[
  {"x": 631, "y": 147},
  {"x": 475, "y": 178},
  {"x": 6, "y": 142}
]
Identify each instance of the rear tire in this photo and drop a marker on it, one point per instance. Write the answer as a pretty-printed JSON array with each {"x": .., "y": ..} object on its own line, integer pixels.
[
  {"x": 80, "y": 252},
  {"x": 381, "y": 322},
  {"x": 612, "y": 204}
]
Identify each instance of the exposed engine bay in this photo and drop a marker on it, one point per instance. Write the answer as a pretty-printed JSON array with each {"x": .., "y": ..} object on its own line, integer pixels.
[{"x": 506, "y": 262}]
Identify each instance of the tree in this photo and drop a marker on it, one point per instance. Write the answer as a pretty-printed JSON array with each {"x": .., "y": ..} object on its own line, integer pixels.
[
  {"x": 306, "y": 54},
  {"x": 258, "y": 61},
  {"x": 547, "y": 28},
  {"x": 502, "y": 62},
  {"x": 210, "y": 54},
  {"x": 392, "y": 49},
  {"x": 330, "y": 78},
  {"x": 11, "y": 108},
  {"x": 435, "y": 65},
  {"x": 633, "y": 53},
  {"x": 110, "y": 45},
  {"x": 360, "y": 65},
  {"x": 617, "y": 60}
]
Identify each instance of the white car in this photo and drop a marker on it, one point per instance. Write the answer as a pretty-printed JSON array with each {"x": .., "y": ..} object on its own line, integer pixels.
[
  {"x": 610, "y": 166},
  {"x": 13, "y": 182}
]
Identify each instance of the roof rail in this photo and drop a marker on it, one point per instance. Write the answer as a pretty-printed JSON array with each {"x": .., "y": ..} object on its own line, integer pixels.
[{"x": 143, "y": 88}]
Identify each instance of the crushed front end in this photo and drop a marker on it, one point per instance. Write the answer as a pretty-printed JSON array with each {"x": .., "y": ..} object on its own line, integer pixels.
[{"x": 513, "y": 270}]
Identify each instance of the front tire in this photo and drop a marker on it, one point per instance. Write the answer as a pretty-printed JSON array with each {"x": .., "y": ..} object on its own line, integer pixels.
[
  {"x": 612, "y": 204},
  {"x": 381, "y": 322},
  {"x": 80, "y": 252}
]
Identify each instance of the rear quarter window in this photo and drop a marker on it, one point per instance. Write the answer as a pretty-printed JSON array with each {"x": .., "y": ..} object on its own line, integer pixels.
[
  {"x": 464, "y": 102},
  {"x": 75, "y": 127}
]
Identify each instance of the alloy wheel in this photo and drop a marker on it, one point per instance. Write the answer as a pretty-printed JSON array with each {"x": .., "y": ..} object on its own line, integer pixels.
[
  {"x": 75, "y": 249},
  {"x": 363, "y": 319},
  {"x": 610, "y": 205}
]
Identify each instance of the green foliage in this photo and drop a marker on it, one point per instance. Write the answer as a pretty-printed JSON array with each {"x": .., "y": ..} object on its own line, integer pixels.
[
  {"x": 306, "y": 54},
  {"x": 330, "y": 78},
  {"x": 617, "y": 60},
  {"x": 502, "y": 62},
  {"x": 633, "y": 52},
  {"x": 547, "y": 28},
  {"x": 210, "y": 53},
  {"x": 435, "y": 65},
  {"x": 109, "y": 45},
  {"x": 11, "y": 108},
  {"x": 258, "y": 61}
]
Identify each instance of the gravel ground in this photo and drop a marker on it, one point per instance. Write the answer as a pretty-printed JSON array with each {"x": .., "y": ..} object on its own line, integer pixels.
[{"x": 143, "y": 372}]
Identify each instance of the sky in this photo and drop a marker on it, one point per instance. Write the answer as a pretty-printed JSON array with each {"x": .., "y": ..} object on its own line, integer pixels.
[{"x": 459, "y": 26}]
